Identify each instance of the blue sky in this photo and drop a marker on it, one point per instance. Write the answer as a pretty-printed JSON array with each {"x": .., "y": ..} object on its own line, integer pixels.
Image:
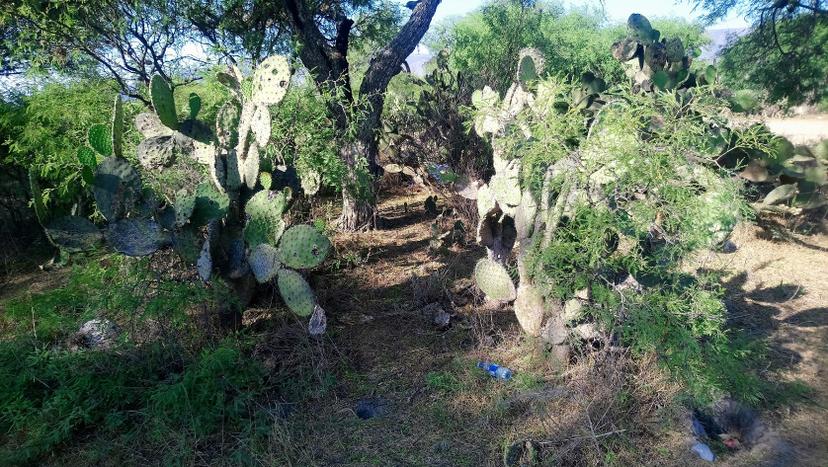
[{"x": 616, "y": 10}]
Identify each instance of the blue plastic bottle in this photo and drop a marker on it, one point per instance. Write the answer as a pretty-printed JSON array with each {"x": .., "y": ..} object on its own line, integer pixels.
[{"x": 497, "y": 371}]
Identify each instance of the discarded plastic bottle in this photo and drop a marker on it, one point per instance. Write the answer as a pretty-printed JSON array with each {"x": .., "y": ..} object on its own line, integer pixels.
[{"x": 497, "y": 371}]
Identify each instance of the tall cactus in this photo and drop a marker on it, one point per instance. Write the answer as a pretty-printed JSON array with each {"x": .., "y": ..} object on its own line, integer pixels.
[{"x": 242, "y": 221}]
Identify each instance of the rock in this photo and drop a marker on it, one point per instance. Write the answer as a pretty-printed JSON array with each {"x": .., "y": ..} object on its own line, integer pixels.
[
  {"x": 728, "y": 247},
  {"x": 703, "y": 451},
  {"x": 98, "y": 333},
  {"x": 438, "y": 315},
  {"x": 572, "y": 310}
]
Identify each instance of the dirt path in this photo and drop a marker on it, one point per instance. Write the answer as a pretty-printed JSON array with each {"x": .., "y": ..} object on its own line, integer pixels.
[{"x": 808, "y": 130}]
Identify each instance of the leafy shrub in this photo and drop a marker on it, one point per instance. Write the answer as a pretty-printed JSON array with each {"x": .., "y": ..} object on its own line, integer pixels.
[{"x": 603, "y": 207}]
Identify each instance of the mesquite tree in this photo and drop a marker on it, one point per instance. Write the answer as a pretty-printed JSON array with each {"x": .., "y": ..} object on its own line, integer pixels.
[{"x": 598, "y": 194}]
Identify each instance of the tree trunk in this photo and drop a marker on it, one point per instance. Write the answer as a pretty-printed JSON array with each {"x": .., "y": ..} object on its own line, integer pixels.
[{"x": 358, "y": 195}]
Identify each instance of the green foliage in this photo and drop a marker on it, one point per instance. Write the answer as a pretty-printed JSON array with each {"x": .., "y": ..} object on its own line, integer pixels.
[
  {"x": 45, "y": 130},
  {"x": 146, "y": 394},
  {"x": 484, "y": 43},
  {"x": 790, "y": 73},
  {"x": 304, "y": 136},
  {"x": 625, "y": 201}
]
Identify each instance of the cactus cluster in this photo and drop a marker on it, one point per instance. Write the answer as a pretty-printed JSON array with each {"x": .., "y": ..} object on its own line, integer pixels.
[
  {"x": 230, "y": 201},
  {"x": 797, "y": 176},
  {"x": 653, "y": 62},
  {"x": 524, "y": 205}
]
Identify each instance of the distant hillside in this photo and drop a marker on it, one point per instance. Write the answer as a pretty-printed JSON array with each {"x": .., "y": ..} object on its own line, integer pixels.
[{"x": 719, "y": 39}]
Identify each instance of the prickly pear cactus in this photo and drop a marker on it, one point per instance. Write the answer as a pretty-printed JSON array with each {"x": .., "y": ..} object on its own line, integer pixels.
[
  {"x": 524, "y": 205},
  {"x": 216, "y": 217},
  {"x": 653, "y": 62}
]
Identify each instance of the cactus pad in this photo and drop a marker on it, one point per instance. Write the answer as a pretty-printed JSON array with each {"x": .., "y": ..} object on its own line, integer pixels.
[
  {"x": 194, "y": 102},
  {"x": 233, "y": 176},
  {"x": 264, "y": 262},
  {"x": 229, "y": 81},
  {"x": 392, "y": 168},
  {"x": 311, "y": 182},
  {"x": 117, "y": 127},
  {"x": 303, "y": 247},
  {"x": 74, "y": 233},
  {"x": 227, "y": 123},
  {"x": 163, "y": 102},
  {"x": 267, "y": 203},
  {"x": 185, "y": 244},
  {"x": 149, "y": 125},
  {"x": 87, "y": 157},
  {"x": 296, "y": 292},
  {"x": 136, "y": 237},
  {"x": 100, "y": 139},
  {"x": 266, "y": 180},
  {"x": 250, "y": 169},
  {"x": 271, "y": 80},
  {"x": 260, "y": 125},
  {"x": 506, "y": 189},
  {"x": 117, "y": 188},
  {"x": 204, "y": 265},
  {"x": 210, "y": 204},
  {"x": 261, "y": 230},
  {"x": 156, "y": 152},
  {"x": 493, "y": 280},
  {"x": 318, "y": 322},
  {"x": 184, "y": 206},
  {"x": 529, "y": 309},
  {"x": 780, "y": 194}
]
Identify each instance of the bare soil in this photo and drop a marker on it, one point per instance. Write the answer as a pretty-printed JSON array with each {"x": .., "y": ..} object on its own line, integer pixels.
[{"x": 807, "y": 129}]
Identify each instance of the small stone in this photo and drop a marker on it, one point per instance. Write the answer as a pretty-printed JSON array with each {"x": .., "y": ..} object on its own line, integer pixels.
[
  {"x": 703, "y": 451},
  {"x": 97, "y": 334},
  {"x": 729, "y": 247}
]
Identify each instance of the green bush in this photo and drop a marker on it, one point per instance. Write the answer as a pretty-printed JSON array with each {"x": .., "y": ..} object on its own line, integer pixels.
[{"x": 51, "y": 397}]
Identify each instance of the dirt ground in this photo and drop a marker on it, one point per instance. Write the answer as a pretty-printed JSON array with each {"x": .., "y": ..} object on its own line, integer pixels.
[
  {"x": 807, "y": 129},
  {"x": 435, "y": 411}
]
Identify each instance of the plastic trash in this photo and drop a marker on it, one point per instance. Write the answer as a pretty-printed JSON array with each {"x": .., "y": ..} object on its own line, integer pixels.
[
  {"x": 703, "y": 451},
  {"x": 497, "y": 371}
]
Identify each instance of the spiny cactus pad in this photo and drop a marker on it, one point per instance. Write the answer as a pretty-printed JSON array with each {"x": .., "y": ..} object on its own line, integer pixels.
[
  {"x": 303, "y": 247},
  {"x": 271, "y": 80},
  {"x": 117, "y": 127},
  {"x": 204, "y": 265},
  {"x": 261, "y": 125},
  {"x": 264, "y": 262},
  {"x": 227, "y": 124},
  {"x": 267, "y": 203},
  {"x": 250, "y": 170},
  {"x": 296, "y": 292},
  {"x": 136, "y": 237},
  {"x": 87, "y": 157},
  {"x": 156, "y": 152},
  {"x": 506, "y": 189},
  {"x": 117, "y": 188},
  {"x": 163, "y": 102},
  {"x": 184, "y": 206},
  {"x": 185, "y": 244},
  {"x": 100, "y": 139},
  {"x": 210, "y": 204},
  {"x": 74, "y": 233},
  {"x": 194, "y": 102},
  {"x": 263, "y": 230},
  {"x": 493, "y": 280},
  {"x": 311, "y": 182},
  {"x": 266, "y": 180},
  {"x": 149, "y": 125}
]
